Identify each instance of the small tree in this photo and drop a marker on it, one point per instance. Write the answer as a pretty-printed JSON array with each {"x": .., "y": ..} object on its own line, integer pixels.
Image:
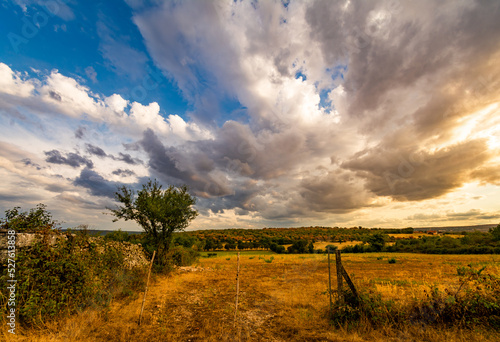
[
  {"x": 376, "y": 241},
  {"x": 159, "y": 212},
  {"x": 37, "y": 219}
]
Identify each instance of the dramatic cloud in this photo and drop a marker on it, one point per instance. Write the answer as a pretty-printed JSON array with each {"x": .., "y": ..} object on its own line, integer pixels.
[
  {"x": 317, "y": 112},
  {"x": 127, "y": 158},
  {"x": 96, "y": 184},
  {"x": 412, "y": 175},
  {"x": 96, "y": 151},
  {"x": 71, "y": 159},
  {"x": 123, "y": 173}
]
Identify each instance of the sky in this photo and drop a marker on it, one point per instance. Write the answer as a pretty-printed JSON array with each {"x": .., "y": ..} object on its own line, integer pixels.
[{"x": 273, "y": 113}]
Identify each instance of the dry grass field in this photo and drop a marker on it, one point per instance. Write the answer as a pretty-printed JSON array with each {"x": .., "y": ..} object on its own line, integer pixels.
[{"x": 282, "y": 298}]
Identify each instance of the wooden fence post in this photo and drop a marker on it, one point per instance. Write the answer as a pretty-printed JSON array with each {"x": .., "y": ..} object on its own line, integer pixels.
[
  {"x": 349, "y": 282},
  {"x": 146, "y": 290},
  {"x": 339, "y": 276},
  {"x": 237, "y": 288},
  {"x": 330, "y": 282}
]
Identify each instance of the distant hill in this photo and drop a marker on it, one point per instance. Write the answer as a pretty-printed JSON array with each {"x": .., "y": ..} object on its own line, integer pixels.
[
  {"x": 457, "y": 229},
  {"x": 450, "y": 229}
]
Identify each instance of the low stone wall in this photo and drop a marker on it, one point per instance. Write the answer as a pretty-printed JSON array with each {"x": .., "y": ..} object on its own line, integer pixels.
[{"x": 133, "y": 253}]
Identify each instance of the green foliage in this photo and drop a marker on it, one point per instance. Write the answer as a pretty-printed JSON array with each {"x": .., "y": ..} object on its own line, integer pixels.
[
  {"x": 330, "y": 249},
  {"x": 159, "y": 212},
  {"x": 376, "y": 241},
  {"x": 182, "y": 256},
  {"x": 117, "y": 235},
  {"x": 392, "y": 261},
  {"x": 495, "y": 233},
  {"x": 230, "y": 245},
  {"x": 300, "y": 246},
  {"x": 277, "y": 248},
  {"x": 37, "y": 219},
  {"x": 74, "y": 273},
  {"x": 270, "y": 260}
]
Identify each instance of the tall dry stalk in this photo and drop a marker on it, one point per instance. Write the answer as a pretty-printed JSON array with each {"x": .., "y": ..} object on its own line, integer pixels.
[{"x": 147, "y": 284}]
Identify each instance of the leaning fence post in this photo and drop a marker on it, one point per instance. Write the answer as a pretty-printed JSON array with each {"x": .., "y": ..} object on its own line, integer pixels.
[
  {"x": 349, "y": 282},
  {"x": 339, "y": 275},
  {"x": 146, "y": 290}
]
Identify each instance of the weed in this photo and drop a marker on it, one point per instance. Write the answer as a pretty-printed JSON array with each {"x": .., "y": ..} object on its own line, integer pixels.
[{"x": 270, "y": 260}]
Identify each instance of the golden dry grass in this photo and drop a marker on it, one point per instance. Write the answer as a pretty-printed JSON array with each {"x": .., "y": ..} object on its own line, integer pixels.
[{"x": 281, "y": 300}]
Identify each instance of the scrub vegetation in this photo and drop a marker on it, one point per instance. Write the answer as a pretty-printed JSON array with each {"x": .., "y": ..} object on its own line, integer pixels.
[
  {"x": 419, "y": 298},
  {"x": 78, "y": 289}
]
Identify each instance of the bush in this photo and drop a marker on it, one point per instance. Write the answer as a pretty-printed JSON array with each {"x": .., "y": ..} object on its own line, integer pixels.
[
  {"x": 117, "y": 235},
  {"x": 392, "y": 261},
  {"x": 37, "y": 219},
  {"x": 61, "y": 278},
  {"x": 182, "y": 256},
  {"x": 299, "y": 246},
  {"x": 331, "y": 248},
  {"x": 277, "y": 248}
]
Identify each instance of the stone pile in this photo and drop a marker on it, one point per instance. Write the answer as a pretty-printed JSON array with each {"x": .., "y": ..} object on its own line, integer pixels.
[{"x": 133, "y": 253}]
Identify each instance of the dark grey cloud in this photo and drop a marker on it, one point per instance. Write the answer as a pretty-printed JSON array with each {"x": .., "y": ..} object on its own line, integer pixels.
[
  {"x": 336, "y": 192},
  {"x": 389, "y": 46},
  {"x": 55, "y": 95},
  {"x": 80, "y": 132},
  {"x": 124, "y": 157},
  {"x": 123, "y": 173},
  {"x": 28, "y": 162},
  {"x": 96, "y": 184},
  {"x": 95, "y": 150},
  {"x": 132, "y": 146},
  {"x": 127, "y": 158},
  {"x": 71, "y": 159},
  {"x": 171, "y": 165}
]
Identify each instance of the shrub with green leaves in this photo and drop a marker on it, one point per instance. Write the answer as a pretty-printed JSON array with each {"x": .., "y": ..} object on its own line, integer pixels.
[
  {"x": 182, "y": 256},
  {"x": 117, "y": 235},
  {"x": 74, "y": 273},
  {"x": 37, "y": 219}
]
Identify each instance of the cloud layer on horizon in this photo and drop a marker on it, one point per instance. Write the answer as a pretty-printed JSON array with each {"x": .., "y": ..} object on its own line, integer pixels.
[{"x": 344, "y": 109}]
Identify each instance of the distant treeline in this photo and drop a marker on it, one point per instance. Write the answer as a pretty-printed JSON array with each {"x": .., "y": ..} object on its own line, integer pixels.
[
  {"x": 263, "y": 238},
  {"x": 302, "y": 240}
]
